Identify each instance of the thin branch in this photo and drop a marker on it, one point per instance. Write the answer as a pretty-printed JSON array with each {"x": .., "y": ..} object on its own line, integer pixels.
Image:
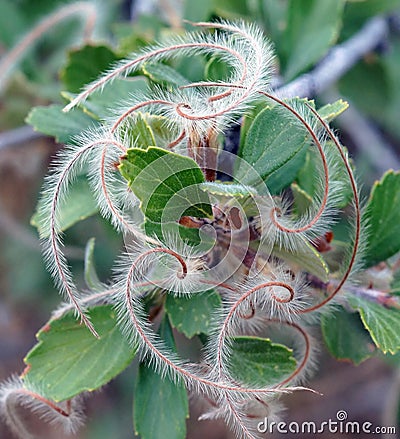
[
  {"x": 80, "y": 9},
  {"x": 373, "y": 295},
  {"x": 339, "y": 60},
  {"x": 366, "y": 138},
  {"x": 171, "y": 14},
  {"x": 22, "y": 234},
  {"x": 18, "y": 137},
  {"x": 390, "y": 413}
]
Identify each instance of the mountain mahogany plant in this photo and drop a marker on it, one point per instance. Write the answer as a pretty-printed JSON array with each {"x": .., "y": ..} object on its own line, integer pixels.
[{"x": 231, "y": 250}]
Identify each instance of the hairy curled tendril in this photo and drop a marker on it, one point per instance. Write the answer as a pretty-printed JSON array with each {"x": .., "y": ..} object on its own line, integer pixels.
[{"x": 262, "y": 290}]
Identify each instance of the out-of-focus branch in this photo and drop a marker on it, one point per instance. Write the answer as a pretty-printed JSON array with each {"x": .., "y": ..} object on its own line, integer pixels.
[
  {"x": 18, "y": 137},
  {"x": 22, "y": 234},
  {"x": 339, "y": 60},
  {"x": 11, "y": 58},
  {"x": 373, "y": 295},
  {"x": 367, "y": 138},
  {"x": 390, "y": 414}
]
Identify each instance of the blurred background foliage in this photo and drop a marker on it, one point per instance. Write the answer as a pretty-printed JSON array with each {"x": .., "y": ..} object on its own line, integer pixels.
[{"x": 303, "y": 32}]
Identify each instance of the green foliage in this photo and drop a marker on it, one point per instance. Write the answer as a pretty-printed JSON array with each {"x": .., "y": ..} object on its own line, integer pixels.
[
  {"x": 12, "y": 22},
  {"x": 84, "y": 64},
  {"x": 357, "y": 12},
  {"x": 345, "y": 336},
  {"x": 395, "y": 284},
  {"x": 216, "y": 69},
  {"x": 160, "y": 405},
  {"x": 263, "y": 146},
  {"x": 91, "y": 278},
  {"x": 79, "y": 206},
  {"x": 198, "y": 11},
  {"x": 382, "y": 323},
  {"x": 63, "y": 126},
  {"x": 309, "y": 184},
  {"x": 166, "y": 183},
  {"x": 68, "y": 360},
  {"x": 383, "y": 218},
  {"x": 139, "y": 132},
  {"x": 312, "y": 27},
  {"x": 231, "y": 8},
  {"x": 380, "y": 76},
  {"x": 258, "y": 362},
  {"x": 228, "y": 190},
  {"x": 330, "y": 111},
  {"x": 263, "y": 132},
  {"x": 164, "y": 74},
  {"x": 192, "y": 315},
  {"x": 97, "y": 106},
  {"x": 306, "y": 257},
  {"x": 301, "y": 199}
]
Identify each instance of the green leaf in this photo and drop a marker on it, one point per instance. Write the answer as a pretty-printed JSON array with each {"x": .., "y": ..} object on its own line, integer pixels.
[
  {"x": 330, "y": 111},
  {"x": 285, "y": 175},
  {"x": 147, "y": 29},
  {"x": 272, "y": 141},
  {"x": 259, "y": 362},
  {"x": 395, "y": 284},
  {"x": 12, "y": 23},
  {"x": 383, "y": 217},
  {"x": 69, "y": 360},
  {"x": 247, "y": 121},
  {"x": 228, "y": 189},
  {"x": 63, "y": 126},
  {"x": 192, "y": 315},
  {"x": 160, "y": 128},
  {"x": 382, "y": 323},
  {"x": 166, "y": 183},
  {"x": 216, "y": 69},
  {"x": 232, "y": 195},
  {"x": 306, "y": 177},
  {"x": 196, "y": 11},
  {"x": 164, "y": 74},
  {"x": 78, "y": 205},
  {"x": 345, "y": 336},
  {"x": 366, "y": 76},
  {"x": 91, "y": 278},
  {"x": 85, "y": 64},
  {"x": 313, "y": 27},
  {"x": 379, "y": 74},
  {"x": 274, "y": 18},
  {"x": 139, "y": 132},
  {"x": 160, "y": 406},
  {"x": 97, "y": 105},
  {"x": 307, "y": 181},
  {"x": 306, "y": 257},
  {"x": 357, "y": 12},
  {"x": 301, "y": 200},
  {"x": 231, "y": 8},
  {"x": 391, "y": 63},
  {"x": 191, "y": 236}
]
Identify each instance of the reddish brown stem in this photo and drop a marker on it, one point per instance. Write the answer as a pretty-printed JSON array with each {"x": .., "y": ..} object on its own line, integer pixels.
[
  {"x": 321, "y": 209},
  {"x": 357, "y": 219},
  {"x": 46, "y": 401}
]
